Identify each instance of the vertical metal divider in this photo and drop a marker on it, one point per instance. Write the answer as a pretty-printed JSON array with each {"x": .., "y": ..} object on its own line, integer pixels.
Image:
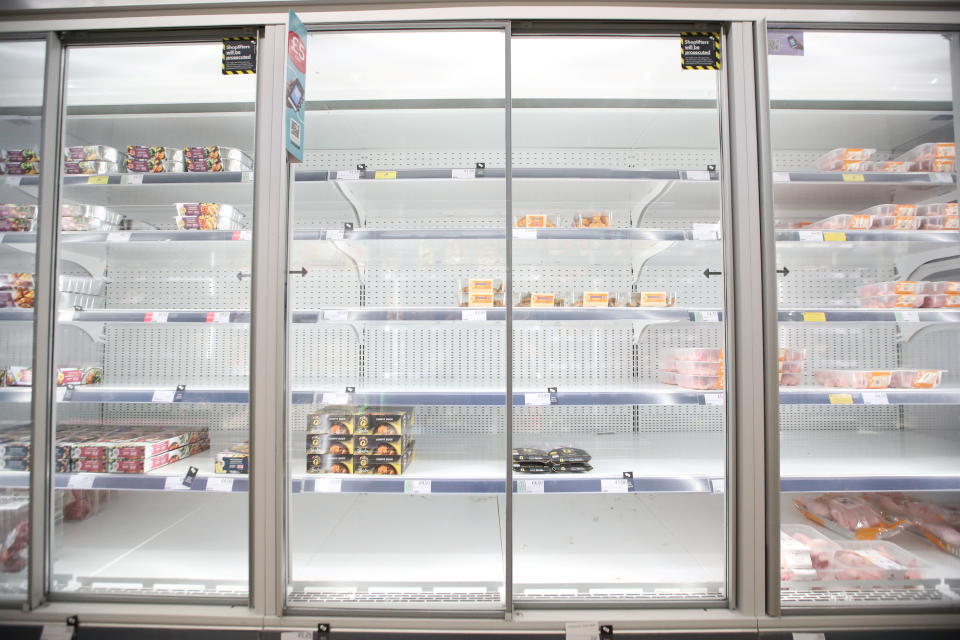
[
  {"x": 768, "y": 257},
  {"x": 268, "y": 322},
  {"x": 508, "y": 328},
  {"x": 954, "y": 40},
  {"x": 744, "y": 322},
  {"x": 43, "y": 409}
]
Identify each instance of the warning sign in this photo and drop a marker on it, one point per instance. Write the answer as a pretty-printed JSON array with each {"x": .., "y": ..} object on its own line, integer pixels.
[
  {"x": 239, "y": 55},
  {"x": 700, "y": 50}
]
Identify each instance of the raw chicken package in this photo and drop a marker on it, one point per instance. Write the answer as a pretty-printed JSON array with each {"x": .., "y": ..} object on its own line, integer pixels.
[
  {"x": 937, "y": 523},
  {"x": 803, "y": 551},
  {"x": 849, "y": 515},
  {"x": 873, "y": 560}
]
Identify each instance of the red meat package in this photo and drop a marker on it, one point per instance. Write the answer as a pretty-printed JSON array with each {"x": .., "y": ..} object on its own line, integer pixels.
[
  {"x": 13, "y": 554},
  {"x": 851, "y": 516}
]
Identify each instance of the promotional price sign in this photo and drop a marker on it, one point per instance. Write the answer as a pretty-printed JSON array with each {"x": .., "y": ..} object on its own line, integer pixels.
[{"x": 295, "y": 88}]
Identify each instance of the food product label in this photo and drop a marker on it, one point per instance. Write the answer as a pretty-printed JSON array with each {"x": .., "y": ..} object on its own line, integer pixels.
[
  {"x": 906, "y": 301},
  {"x": 469, "y": 315},
  {"x": 97, "y": 179},
  {"x": 536, "y": 399},
  {"x": 480, "y": 285},
  {"x": 595, "y": 299},
  {"x": 653, "y": 298},
  {"x": 542, "y": 300},
  {"x": 953, "y": 287},
  {"x": 908, "y": 316},
  {"x": 163, "y": 395},
  {"x": 417, "y": 486},
  {"x": 480, "y": 299},
  {"x": 878, "y": 380},
  {"x": 172, "y": 483},
  {"x": 223, "y": 485},
  {"x": 385, "y": 175},
  {"x": 878, "y": 559},
  {"x": 905, "y": 210},
  {"x": 809, "y": 236},
  {"x": 463, "y": 174},
  {"x": 525, "y": 234},
  {"x": 133, "y": 178},
  {"x": 327, "y": 485},
  {"x": 536, "y": 220},
  {"x": 952, "y": 301},
  {"x": 905, "y": 286},
  {"x": 903, "y": 223},
  {"x": 874, "y": 397}
]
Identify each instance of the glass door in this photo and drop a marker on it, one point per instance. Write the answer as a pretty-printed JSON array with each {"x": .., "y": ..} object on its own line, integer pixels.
[
  {"x": 619, "y": 433},
  {"x": 397, "y": 345},
  {"x": 153, "y": 312},
  {"x": 868, "y": 281},
  {"x": 21, "y": 80}
]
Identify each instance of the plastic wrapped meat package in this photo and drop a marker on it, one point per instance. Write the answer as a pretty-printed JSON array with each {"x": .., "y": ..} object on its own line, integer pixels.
[
  {"x": 162, "y": 154},
  {"x": 844, "y": 159},
  {"x": 593, "y": 220},
  {"x": 940, "y": 524},
  {"x": 938, "y": 209},
  {"x": 85, "y": 217},
  {"x": 804, "y": 550},
  {"x": 535, "y": 221},
  {"x": 896, "y": 223},
  {"x": 849, "y": 515},
  {"x": 215, "y": 158},
  {"x": 940, "y": 223},
  {"x": 891, "y": 210},
  {"x": 845, "y": 221},
  {"x": 852, "y": 378}
]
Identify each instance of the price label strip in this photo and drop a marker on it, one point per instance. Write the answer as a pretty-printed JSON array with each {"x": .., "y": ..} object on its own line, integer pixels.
[
  {"x": 529, "y": 486},
  {"x": 463, "y": 174},
  {"x": 132, "y": 178},
  {"x": 536, "y": 399},
  {"x": 221, "y": 485},
  {"x": 840, "y": 398},
  {"x": 327, "y": 485},
  {"x": 348, "y": 175},
  {"x": 473, "y": 315},
  {"x": 98, "y": 180},
  {"x": 417, "y": 486},
  {"x": 81, "y": 481},
  {"x": 218, "y": 317},
  {"x": 874, "y": 397},
  {"x": 810, "y": 236},
  {"x": 814, "y": 316}
]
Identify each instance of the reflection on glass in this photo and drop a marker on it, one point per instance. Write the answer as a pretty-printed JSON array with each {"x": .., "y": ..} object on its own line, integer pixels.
[
  {"x": 21, "y": 80},
  {"x": 865, "y": 204},
  {"x": 618, "y": 333},
  {"x": 397, "y": 422},
  {"x": 152, "y": 343}
]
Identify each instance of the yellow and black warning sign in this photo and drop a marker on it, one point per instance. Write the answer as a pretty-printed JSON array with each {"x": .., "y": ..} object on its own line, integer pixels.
[
  {"x": 700, "y": 50},
  {"x": 239, "y": 55}
]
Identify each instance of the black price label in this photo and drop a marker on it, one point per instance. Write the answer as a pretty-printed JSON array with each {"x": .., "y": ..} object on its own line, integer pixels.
[
  {"x": 189, "y": 478},
  {"x": 239, "y": 56},
  {"x": 700, "y": 50}
]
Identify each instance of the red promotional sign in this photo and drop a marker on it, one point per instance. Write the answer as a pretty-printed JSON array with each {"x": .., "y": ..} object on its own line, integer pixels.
[{"x": 296, "y": 51}]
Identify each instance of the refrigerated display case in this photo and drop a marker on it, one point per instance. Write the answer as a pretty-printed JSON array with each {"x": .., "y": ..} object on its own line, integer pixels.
[{"x": 866, "y": 260}]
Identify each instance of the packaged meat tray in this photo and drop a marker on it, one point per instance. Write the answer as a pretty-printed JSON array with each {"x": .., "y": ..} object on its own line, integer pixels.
[
  {"x": 897, "y": 223},
  {"x": 916, "y": 378},
  {"x": 699, "y": 367},
  {"x": 536, "y": 221},
  {"x": 893, "y": 301},
  {"x": 667, "y": 377},
  {"x": 890, "y": 166},
  {"x": 481, "y": 285},
  {"x": 938, "y": 209},
  {"x": 841, "y": 159},
  {"x": 163, "y": 154},
  {"x": 891, "y": 210},
  {"x": 789, "y": 379},
  {"x": 594, "y": 220},
  {"x": 804, "y": 550},
  {"x": 935, "y": 165},
  {"x": 844, "y": 221},
  {"x": 93, "y": 152},
  {"x": 699, "y": 382},
  {"x": 900, "y": 287},
  {"x": 138, "y": 165},
  {"x": 481, "y": 299},
  {"x": 21, "y": 168},
  {"x": 942, "y": 286},
  {"x": 789, "y": 354},
  {"x": 930, "y": 150},
  {"x": 696, "y": 354},
  {"x": 669, "y": 365},
  {"x": 790, "y": 366},
  {"x": 19, "y": 155},
  {"x": 592, "y": 299},
  {"x": 939, "y": 223},
  {"x": 873, "y": 560},
  {"x": 852, "y": 378},
  {"x": 649, "y": 299},
  {"x": 541, "y": 300},
  {"x": 937, "y": 523},
  {"x": 89, "y": 168},
  {"x": 849, "y": 515},
  {"x": 941, "y": 301},
  {"x": 207, "y": 216}
]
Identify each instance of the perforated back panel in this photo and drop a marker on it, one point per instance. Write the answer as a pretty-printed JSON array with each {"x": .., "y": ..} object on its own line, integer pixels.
[
  {"x": 933, "y": 347},
  {"x": 325, "y": 286},
  {"x": 191, "y": 286}
]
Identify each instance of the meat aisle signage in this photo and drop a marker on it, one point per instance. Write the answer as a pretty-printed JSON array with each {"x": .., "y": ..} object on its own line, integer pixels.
[
  {"x": 239, "y": 56},
  {"x": 294, "y": 94},
  {"x": 700, "y": 50}
]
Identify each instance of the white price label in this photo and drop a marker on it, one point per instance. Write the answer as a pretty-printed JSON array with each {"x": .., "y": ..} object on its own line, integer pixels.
[
  {"x": 245, "y": 235},
  {"x": 714, "y": 399},
  {"x": 698, "y": 175},
  {"x": 174, "y": 484},
  {"x": 536, "y": 399},
  {"x": 132, "y": 178},
  {"x": 156, "y": 317},
  {"x": 705, "y": 232},
  {"x": 118, "y": 236},
  {"x": 348, "y": 175},
  {"x": 709, "y": 316},
  {"x": 56, "y": 632},
  {"x": 908, "y": 316},
  {"x": 718, "y": 485},
  {"x": 246, "y": 176},
  {"x": 525, "y": 234},
  {"x": 473, "y": 315},
  {"x": 61, "y": 393},
  {"x": 781, "y": 176},
  {"x": 875, "y": 397},
  {"x": 529, "y": 486},
  {"x": 13, "y": 181},
  {"x": 333, "y": 234},
  {"x": 941, "y": 178},
  {"x": 296, "y": 635},
  {"x": 810, "y": 236},
  {"x": 336, "y": 315},
  {"x": 164, "y": 395},
  {"x": 463, "y": 174},
  {"x": 66, "y": 315},
  {"x": 218, "y": 317},
  {"x": 222, "y": 485},
  {"x": 614, "y": 485},
  {"x": 809, "y": 636},
  {"x": 327, "y": 485},
  {"x": 81, "y": 481},
  {"x": 417, "y": 486},
  {"x": 582, "y": 631},
  {"x": 334, "y": 398}
]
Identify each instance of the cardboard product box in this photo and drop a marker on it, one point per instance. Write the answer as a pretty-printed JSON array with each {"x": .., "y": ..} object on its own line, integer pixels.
[
  {"x": 15, "y": 464},
  {"x": 337, "y": 444},
  {"x": 329, "y": 463},
  {"x": 383, "y": 465},
  {"x": 231, "y": 462},
  {"x": 385, "y": 421},
  {"x": 382, "y": 445},
  {"x": 141, "y": 465},
  {"x": 334, "y": 420},
  {"x": 151, "y": 445}
]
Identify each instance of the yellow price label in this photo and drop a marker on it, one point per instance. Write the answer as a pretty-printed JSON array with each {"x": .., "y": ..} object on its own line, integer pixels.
[
  {"x": 834, "y": 236},
  {"x": 841, "y": 398},
  {"x": 385, "y": 175},
  {"x": 814, "y": 316},
  {"x": 98, "y": 180},
  {"x": 853, "y": 177}
]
